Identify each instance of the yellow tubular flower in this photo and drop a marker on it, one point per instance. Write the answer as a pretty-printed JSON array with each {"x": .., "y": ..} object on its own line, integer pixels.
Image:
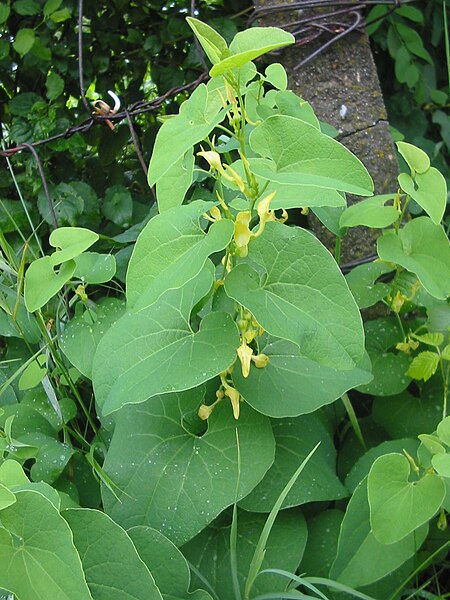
[
  {"x": 242, "y": 231},
  {"x": 234, "y": 397},
  {"x": 245, "y": 356},
  {"x": 260, "y": 360}
]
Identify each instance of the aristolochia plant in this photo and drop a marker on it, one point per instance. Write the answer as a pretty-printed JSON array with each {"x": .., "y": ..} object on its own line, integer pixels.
[{"x": 212, "y": 381}]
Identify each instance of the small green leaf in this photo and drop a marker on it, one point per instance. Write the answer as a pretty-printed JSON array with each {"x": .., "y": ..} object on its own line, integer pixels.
[
  {"x": 423, "y": 366},
  {"x": 112, "y": 565},
  {"x": 422, "y": 248},
  {"x": 445, "y": 354},
  {"x": 70, "y": 242},
  {"x": 213, "y": 44},
  {"x": 54, "y": 85},
  {"x": 33, "y": 374},
  {"x": 277, "y": 76},
  {"x": 397, "y": 505},
  {"x": 429, "y": 190},
  {"x": 371, "y": 213},
  {"x": 441, "y": 464},
  {"x": 95, "y": 268},
  {"x": 24, "y": 41},
  {"x": 26, "y": 8},
  {"x": 362, "y": 283},
  {"x": 37, "y": 553},
  {"x": 443, "y": 430},
  {"x": 416, "y": 158},
  {"x": 297, "y": 153},
  {"x": 50, "y": 6},
  {"x": 4, "y": 12},
  {"x": 118, "y": 205},
  {"x": 59, "y": 16},
  {"x": 42, "y": 282},
  {"x": 431, "y": 338}
]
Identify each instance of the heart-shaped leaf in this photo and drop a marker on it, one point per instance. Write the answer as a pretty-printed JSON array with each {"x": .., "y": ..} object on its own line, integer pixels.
[
  {"x": 361, "y": 281},
  {"x": 37, "y": 554},
  {"x": 153, "y": 350},
  {"x": 422, "y": 248},
  {"x": 42, "y": 282},
  {"x": 172, "y": 248},
  {"x": 371, "y": 212},
  {"x": 399, "y": 506},
  {"x": 299, "y": 153},
  {"x": 429, "y": 190},
  {"x": 292, "y": 301},
  {"x": 292, "y": 384},
  {"x": 112, "y": 565},
  {"x": 416, "y": 158},
  {"x": 178, "y": 482},
  {"x": 71, "y": 241},
  {"x": 95, "y": 268}
]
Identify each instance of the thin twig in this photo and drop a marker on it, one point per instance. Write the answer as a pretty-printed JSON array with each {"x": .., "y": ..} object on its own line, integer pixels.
[
  {"x": 80, "y": 57},
  {"x": 44, "y": 182},
  {"x": 136, "y": 143}
]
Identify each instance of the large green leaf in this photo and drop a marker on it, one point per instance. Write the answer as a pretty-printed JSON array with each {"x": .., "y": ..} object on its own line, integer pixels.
[
  {"x": 321, "y": 547},
  {"x": 300, "y": 154},
  {"x": 399, "y": 506},
  {"x": 429, "y": 190},
  {"x": 175, "y": 481},
  {"x": 153, "y": 350},
  {"x": 70, "y": 243},
  {"x": 248, "y": 45},
  {"x": 361, "y": 559},
  {"x": 292, "y": 384},
  {"x": 209, "y": 552},
  {"x": 173, "y": 185},
  {"x": 166, "y": 563},
  {"x": 302, "y": 296},
  {"x": 318, "y": 482},
  {"x": 212, "y": 42},
  {"x": 39, "y": 560},
  {"x": 110, "y": 560},
  {"x": 422, "y": 248},
  {"x": 196, "y": 119},
  {"x": 83, "y": 333},
  {"x": 172, "y": 248}
]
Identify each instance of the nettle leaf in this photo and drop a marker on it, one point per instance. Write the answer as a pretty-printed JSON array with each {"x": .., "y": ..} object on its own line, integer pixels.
[
  {"x": 371, "y": 213},
  {"x": 302, "y": 296},
  {"x": 172, "y": 248},
  {"x": 422, "y": 248},
  {"x": 95, "y": 268},
  {"x": 399, "y": 506},
  {"x": 362, "y": 283},
  {"x": 361, "y": 559},
  {"x": 248, "y": 45},
  {"x": 297, "y": 153},
  {"x": 83, "y": 333},
  {"x": 171, "y": 188},
  {"x": 429, "y": 190},
  {"x": 37, "y": 553},
  {"x": 166, "y": 564},
  {"x": 423, "y": 366},
  {"x": 294, "y": 439},
  {"x": 389, "y": 366},
  {"x": 209, "y": 552},
  {"x": 416, "y": 158},
  {"x": 197, "y": 118},
  {"x": 153, "y": 350},
  {"x": 175, "y": 481},
  {"x": 291, "y": 384},
  {"x": 213, "y": 44},
  {"x": 110, "y": 560},
  {"x": 42, "y": 282}
]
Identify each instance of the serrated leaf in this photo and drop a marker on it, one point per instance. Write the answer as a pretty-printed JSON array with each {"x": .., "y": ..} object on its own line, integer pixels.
[
  {"x": 251, "y": 43},
  {"x": 297, "y": 153},
  {"x": 209, "y": 552},
  {"x": 292, "y": 384},
  {"x": 178, "y": 482},
  {"x": 171, "y": 188},
  {"x": 213, "y": 44},
  {"x": 424, "y": 365},
  {"x": 361, "y": 559},
  {"x": 422, "y": 248},
  {"x": 290, "y": 301},
  {"x": 112, "y": 565},
  {"x": 37, "y": 553},
  {"x": 196, "y": 119},
  {"x": 172, "y": 248},
  {"x": 416, "y": 158},
  {"x": 429, "y": 190},
  {"x": 397, "y": 505},
  {"x": 294, "y": 439},
  {"x": 153, "y": 350},
  {"x": 430, "y": 338},
  {"x": 371, "y": 212},
  {"x": 83, "y": 333}
]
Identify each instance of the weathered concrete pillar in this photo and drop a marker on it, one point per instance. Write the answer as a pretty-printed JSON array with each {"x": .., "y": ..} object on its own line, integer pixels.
[{"x": 343, "y": 88}]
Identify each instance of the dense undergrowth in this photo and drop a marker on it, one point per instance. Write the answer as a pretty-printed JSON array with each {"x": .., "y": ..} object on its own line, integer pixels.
[{"x": 190, "y": 403}]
